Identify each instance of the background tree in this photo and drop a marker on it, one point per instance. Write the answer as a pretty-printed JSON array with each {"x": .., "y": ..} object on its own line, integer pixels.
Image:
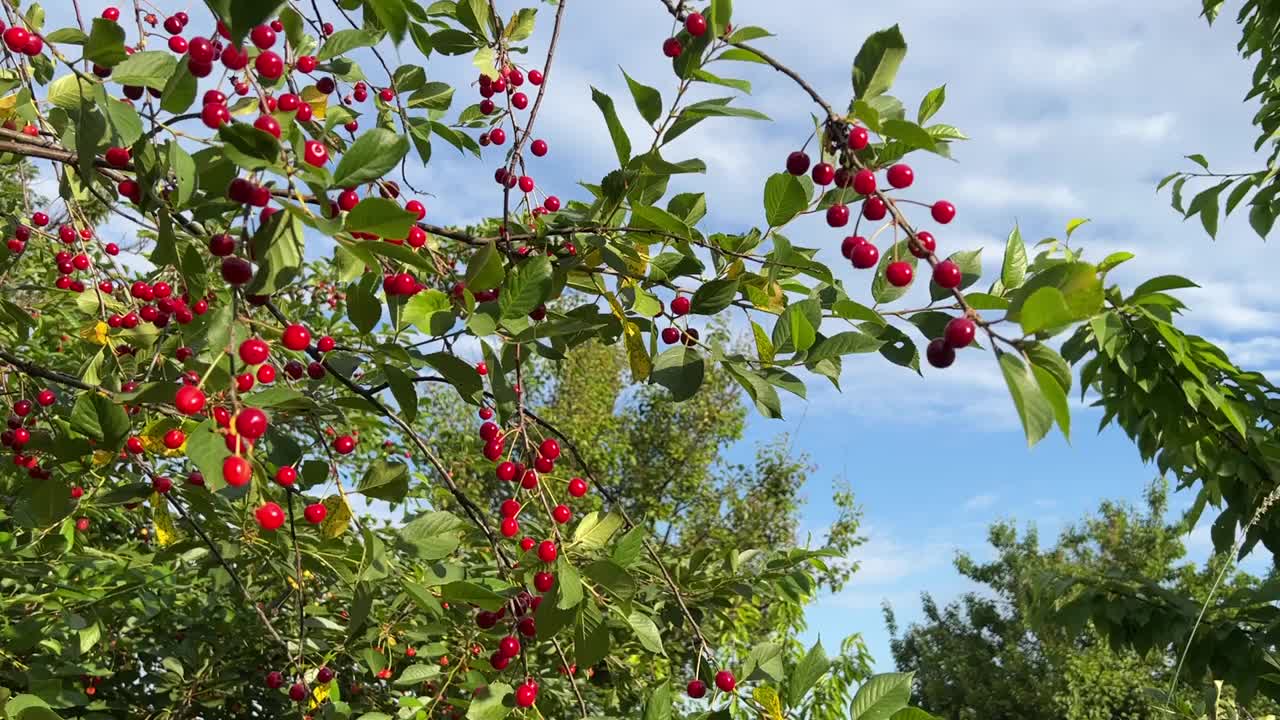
[{"x": 1045, "y": 669}]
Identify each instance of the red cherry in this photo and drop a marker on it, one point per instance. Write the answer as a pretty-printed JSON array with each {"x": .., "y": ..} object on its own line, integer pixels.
[
  {"x": 275, "y": 680},
  {"x": 297, "y": 691},
  {"x": 577, "y": 487},
  {"x": 549, "y": 449},
  {"x": 526, "y": 695},
  {"x": 286, "y": 475},
  {"x": 538, "y": 147},
  {"x": 497, "y": 136},
  {"x": 509, "y": 646},
  {"x": 15, "y": 38},
  {"x": 296, "y": 337},
  {"x": 864, "y": 182},
  {"x": 535, "y": 77},
  {"x": 901, "y": 176},
  {"x": 315, "y": 513},
  {"x": 943, "y": 212},
  {"x": 82, "y": 524},
  {"x": 46, "y": 397},
  {"x": 873, "y": 208},
  {"x": 552, "y": 203},
  {"x": 117, "y": 156},
  {"x": 134, "y": 445},
  {"x": 940, "y": 354},
  {"x": 509, "y": 508},
  {"x": 726, "y": 681},
  {"x": 344, "y": 444},
  {"x": 236, "y": 471},
  {"x": 527, "y": 543},
  {"x": 482, "y": 368},
  {"x": 858, "y": 137},
  {"x": 251, "y": 423},
  {"x": 235, "y": 58},
  {"x": 547, "y": 551},
  {"x": 178, "y": 44},
  {"x": 189, "y": 400},
  {"x": 672, "y": 48},
  {"x": 798, "y": 163},
  {"x": 510, "y": 527},
  {"x": 849, "y": 243},
  {"x": 959, "y": 332},
  {"x": 823, "y": 173},
  {"x": 417, "y": 208},
  {"x": 923, "y": 245},
  {"x": 865, "y": 256},
  {"x": 266, "y": 123},
  {"x": 696, "y": 689},
  {"x": 161, "y": 484},
  {"x": 520, "y": 101},
  {"x": 696, "y": 24},
  {"x": 326, "y": 343},
  {"x": 506, "y": 471},
  {"x": 947, "y": 274},
  {"x": 270, "y": 517},
  {"x": 174, "y": 439},
  {"x": 838, "y": 215},
  {"x": 111, "y": 13},
  {"x": 561, "y": 514},
  {"x": 681, "y": 306},
  {"x": 543, "y": 581},
  {"x": 263, "y": 36},
  {"x": 526, "y": 184},
  {"x": 899, "y": 273},
  {"x": 254, "y": 351},
  {"x": 269, "y": 65},
  {"x": 306, "y": 63},
  {"x": 215, "y": 115}
]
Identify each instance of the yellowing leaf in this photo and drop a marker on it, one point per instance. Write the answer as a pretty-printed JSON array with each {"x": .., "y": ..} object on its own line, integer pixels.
[
  {"x": 8, "y": 104},
  {"x": 152, "y": 438},
  {"x": 102, "y": 457},
  {"x": 768, "y": 699},
  {"x": 318, "y": 101},
  {"x": 166, "y": 531},
  {"x": 638, "y": 356},
  {"x": 96, "y": 333},
  {"x": 336, "y": 521},
  {"x": 319, "y": 694}
]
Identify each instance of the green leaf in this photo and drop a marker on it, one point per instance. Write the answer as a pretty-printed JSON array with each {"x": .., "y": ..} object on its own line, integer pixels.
[
  {"x": 392, "y": 15},
  {"x": 910, "y": 713},
  {"x": 1034, "y": 409},
  {"x": 569, "y": 592},
  {"x": 843, "y": 343},
  {"x": 415, "y": 674},
  {"x": 908, "y": 133},
  {"x": 1014, "y": 269},
  {"x": 278, "y": 245},
  {"x": 1206, "y": 204},
  {"x": 461, "y": 376},
  {"x": 1162, "y": 283},
  {"x": 1046, "y": 308},
  {"x": 594, "y": 530},
  {"x": 1078, "y": 282},
  {"x": 484, "y": 269},
  {"x": 521, "y": 25},
  {"x": 648, "y": 100},
  {"x": 658, "y": 705},
  {"x": 382, "y": 217},
  {"x": 385, "y": 481},
  {"x": 404, "y": 391},
  {"x": 1056, "y": 395},
  {"x": 646, "y": 631},
  {"x": 877, "y": 63},
  {"x": 343, "y": 41},
  {"x": 621, "y": 143},
  {"x": 806, "y": 674},
  {"x": 69, "y": 91},
  {"x": 370, "y": 157},
  {"x": 784, "y": 198},
  {"x": 96, "y": 417},
  {"x": 881, "y": 696},
  {"x": 364, "y": 310},
  {"x": 488, "y": 702},
  {"x": 105, "y": 45},
  {"x": 527, "y": 287},
  {"x": 29, "y": 707},
  {"x": 714, "y": 296},
  {"x": 249, "y": 147},
  {"x": 680, "y": 370},
  {"x": 931, "y": 104},
  {"x": 151, "y": 68},
  {"x": 721, "y": 11},
  {"x": 796, "y": 328},
  {"x": 242, "y": 15}
]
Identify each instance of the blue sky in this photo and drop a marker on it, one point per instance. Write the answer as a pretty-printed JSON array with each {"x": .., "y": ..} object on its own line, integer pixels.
[{"x": 1074, "y": 110}]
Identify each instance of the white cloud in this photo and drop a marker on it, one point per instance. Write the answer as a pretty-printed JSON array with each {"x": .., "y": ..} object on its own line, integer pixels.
[
  {"x": 1148, "y": 128},
  {"x": 981, "y": 502},
  {"x": 994, "y": 192}
]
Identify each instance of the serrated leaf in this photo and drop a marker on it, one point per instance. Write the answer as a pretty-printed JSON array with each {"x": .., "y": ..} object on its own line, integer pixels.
[
  {"x": 784, "y": 198},
  {"x": 1014, "y": 268},
  {"x": 877, "y": 62},
  {"x": 380, "y": 216},
  {"x": 370, "y": 157},
  {"x": 621, "y": 143},
  {"x": 881, "y": 696},
  {"x": 680, "y": 370},
  {"x": 1034, "y": 409},
  {"x": 648, "y": 100},
  {"x": 484, "y": 269},
  {"x": 646, "y": 631}
]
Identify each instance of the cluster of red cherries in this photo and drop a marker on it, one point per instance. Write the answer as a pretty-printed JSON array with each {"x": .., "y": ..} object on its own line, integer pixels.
[{"x": 505, "y": 84}]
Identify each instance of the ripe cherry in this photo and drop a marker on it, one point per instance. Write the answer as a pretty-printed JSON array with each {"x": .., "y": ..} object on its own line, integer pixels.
[
  {"x": 263, "y": 36},
  {"x": 509, "y": 646},
  {"x": 269, "y": 65},
  {"x": 901, "y": 176},
  {"x": 117, "y": 156},
  {"x": 947, "y": 274},
  {"x": 174, "y": 439},
  {"x": 506, "y": 471},
  {"x": 535, "y": 77},
  {"x": 111, "y": 13},
  {"x": 214, "y": 115},
  {"x": 672, "y": 48},
  {"x": 547, "y": 551},
  {"x": 46, "y": 397},
  {"x": 251, "y": 423},
  {"x": 864, "y": 182},
  {"x": 287, "y": 475},
  {"x": 189, "y": 400},
  {"x": 527, "y": 627},
  {"x": 236, "y": 471},
  {"x": 324, "y": 674},
  {"x": 561, "y": 514},
  {"x": 526, "y": 695},
  {"x": 315, "y": 513},
  {"x": 726, "y": 681},
  {"x": 577, "y": 487},
  {"x": 923, "y": 245},
  {"x": 254, "y": 351},
  {"x": 296, "y": 337},
  {"x": 798, "y": 163},
  {"x": 899, "y": 273},
  {"x": 306, "y": 63},
  {"x": 275, "y": 680},
  {"x": 549, "y": 449},
  {"x": 849, "y": 243},
  {"x": 823, "y": 173},
  {"x": 543, "y": 581},
  {"x": 527, "y": 543},
  {"x": 696, "y": 689},
  {"x": 538, "y": 147},
  {"x": 940, "y": 354},
  {"x": 482, "y": 368},
  {"x": 865, "y": 256},
  {"x": 943, "y": 212},
  {"x": 297, "y": 691},
  {"x": 681, "y": 306},
  {"x": 858, "y": 137},
  {"x": 552, "y": 203},
  {"x": 670, "y": 335},
  {"x": 838, "y": 215},
  {"x": 959, "y": 332},
  {"x": 269, "y": 517},
  {"x": 134, "y": 445},
  {"x": 15, "y": 38},
  {"x": 696, "y": 24},
  {"x": 873, "y": 208},
  {"x": 161, "y": 484},
  {"x": 344, "y": 444}
]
